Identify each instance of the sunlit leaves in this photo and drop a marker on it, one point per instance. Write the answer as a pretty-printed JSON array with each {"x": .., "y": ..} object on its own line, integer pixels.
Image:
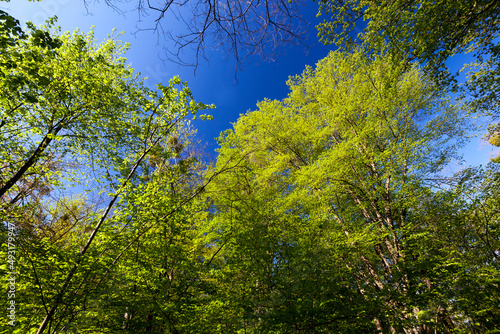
[{"x": 325, "y": 190}]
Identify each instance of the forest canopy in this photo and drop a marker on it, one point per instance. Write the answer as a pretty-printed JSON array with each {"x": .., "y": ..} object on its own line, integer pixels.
[{"x": 332, "y": 210}]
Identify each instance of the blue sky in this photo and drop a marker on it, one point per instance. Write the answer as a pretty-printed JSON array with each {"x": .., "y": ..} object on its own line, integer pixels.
[{"x": 214, "y": 81}]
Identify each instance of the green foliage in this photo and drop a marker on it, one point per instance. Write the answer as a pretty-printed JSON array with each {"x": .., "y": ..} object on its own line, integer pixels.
[
  {"x": 326, "y": 217},
  {"x": 431, "y": 32},
  {"x": 10, "y": 30},
  {"x": 78, "y": 98},
  {"x": 324, "y": 212},
  {"x": 68, "y": 102}
]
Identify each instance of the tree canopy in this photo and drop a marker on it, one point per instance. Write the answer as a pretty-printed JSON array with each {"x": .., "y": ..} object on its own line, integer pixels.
[
  {"x": 430, "y": 32},
  {"x": 403, "y": 27},
  {"x": 331, "y": 210},
  {"x": 69, "y": 103},
  {"x": 328, "y": 215}
]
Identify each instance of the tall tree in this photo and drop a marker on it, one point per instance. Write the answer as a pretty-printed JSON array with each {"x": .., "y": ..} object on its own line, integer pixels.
[
  {"x": 331, "y": 191},
  {"x": 66, "y": 98}
]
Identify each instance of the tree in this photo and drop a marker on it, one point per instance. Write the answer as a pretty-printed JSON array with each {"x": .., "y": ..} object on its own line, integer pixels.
[
  {"x": 80, "y": 99},
  {"x": 153, "y": 281},
  {"x": 328, "y": 212},
  {"x": 462, "y": 243},
  {"x": 430, "y": 32},
  {"x": 66, "y": 98},
  {"x": 402, "y": 27}
]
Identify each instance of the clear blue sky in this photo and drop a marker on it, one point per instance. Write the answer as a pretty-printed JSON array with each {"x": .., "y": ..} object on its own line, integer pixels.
[{"x": 214, "y": 81}]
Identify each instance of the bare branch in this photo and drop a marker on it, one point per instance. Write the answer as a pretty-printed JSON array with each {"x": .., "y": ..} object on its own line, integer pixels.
[{"x": 240, "y": 29}]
